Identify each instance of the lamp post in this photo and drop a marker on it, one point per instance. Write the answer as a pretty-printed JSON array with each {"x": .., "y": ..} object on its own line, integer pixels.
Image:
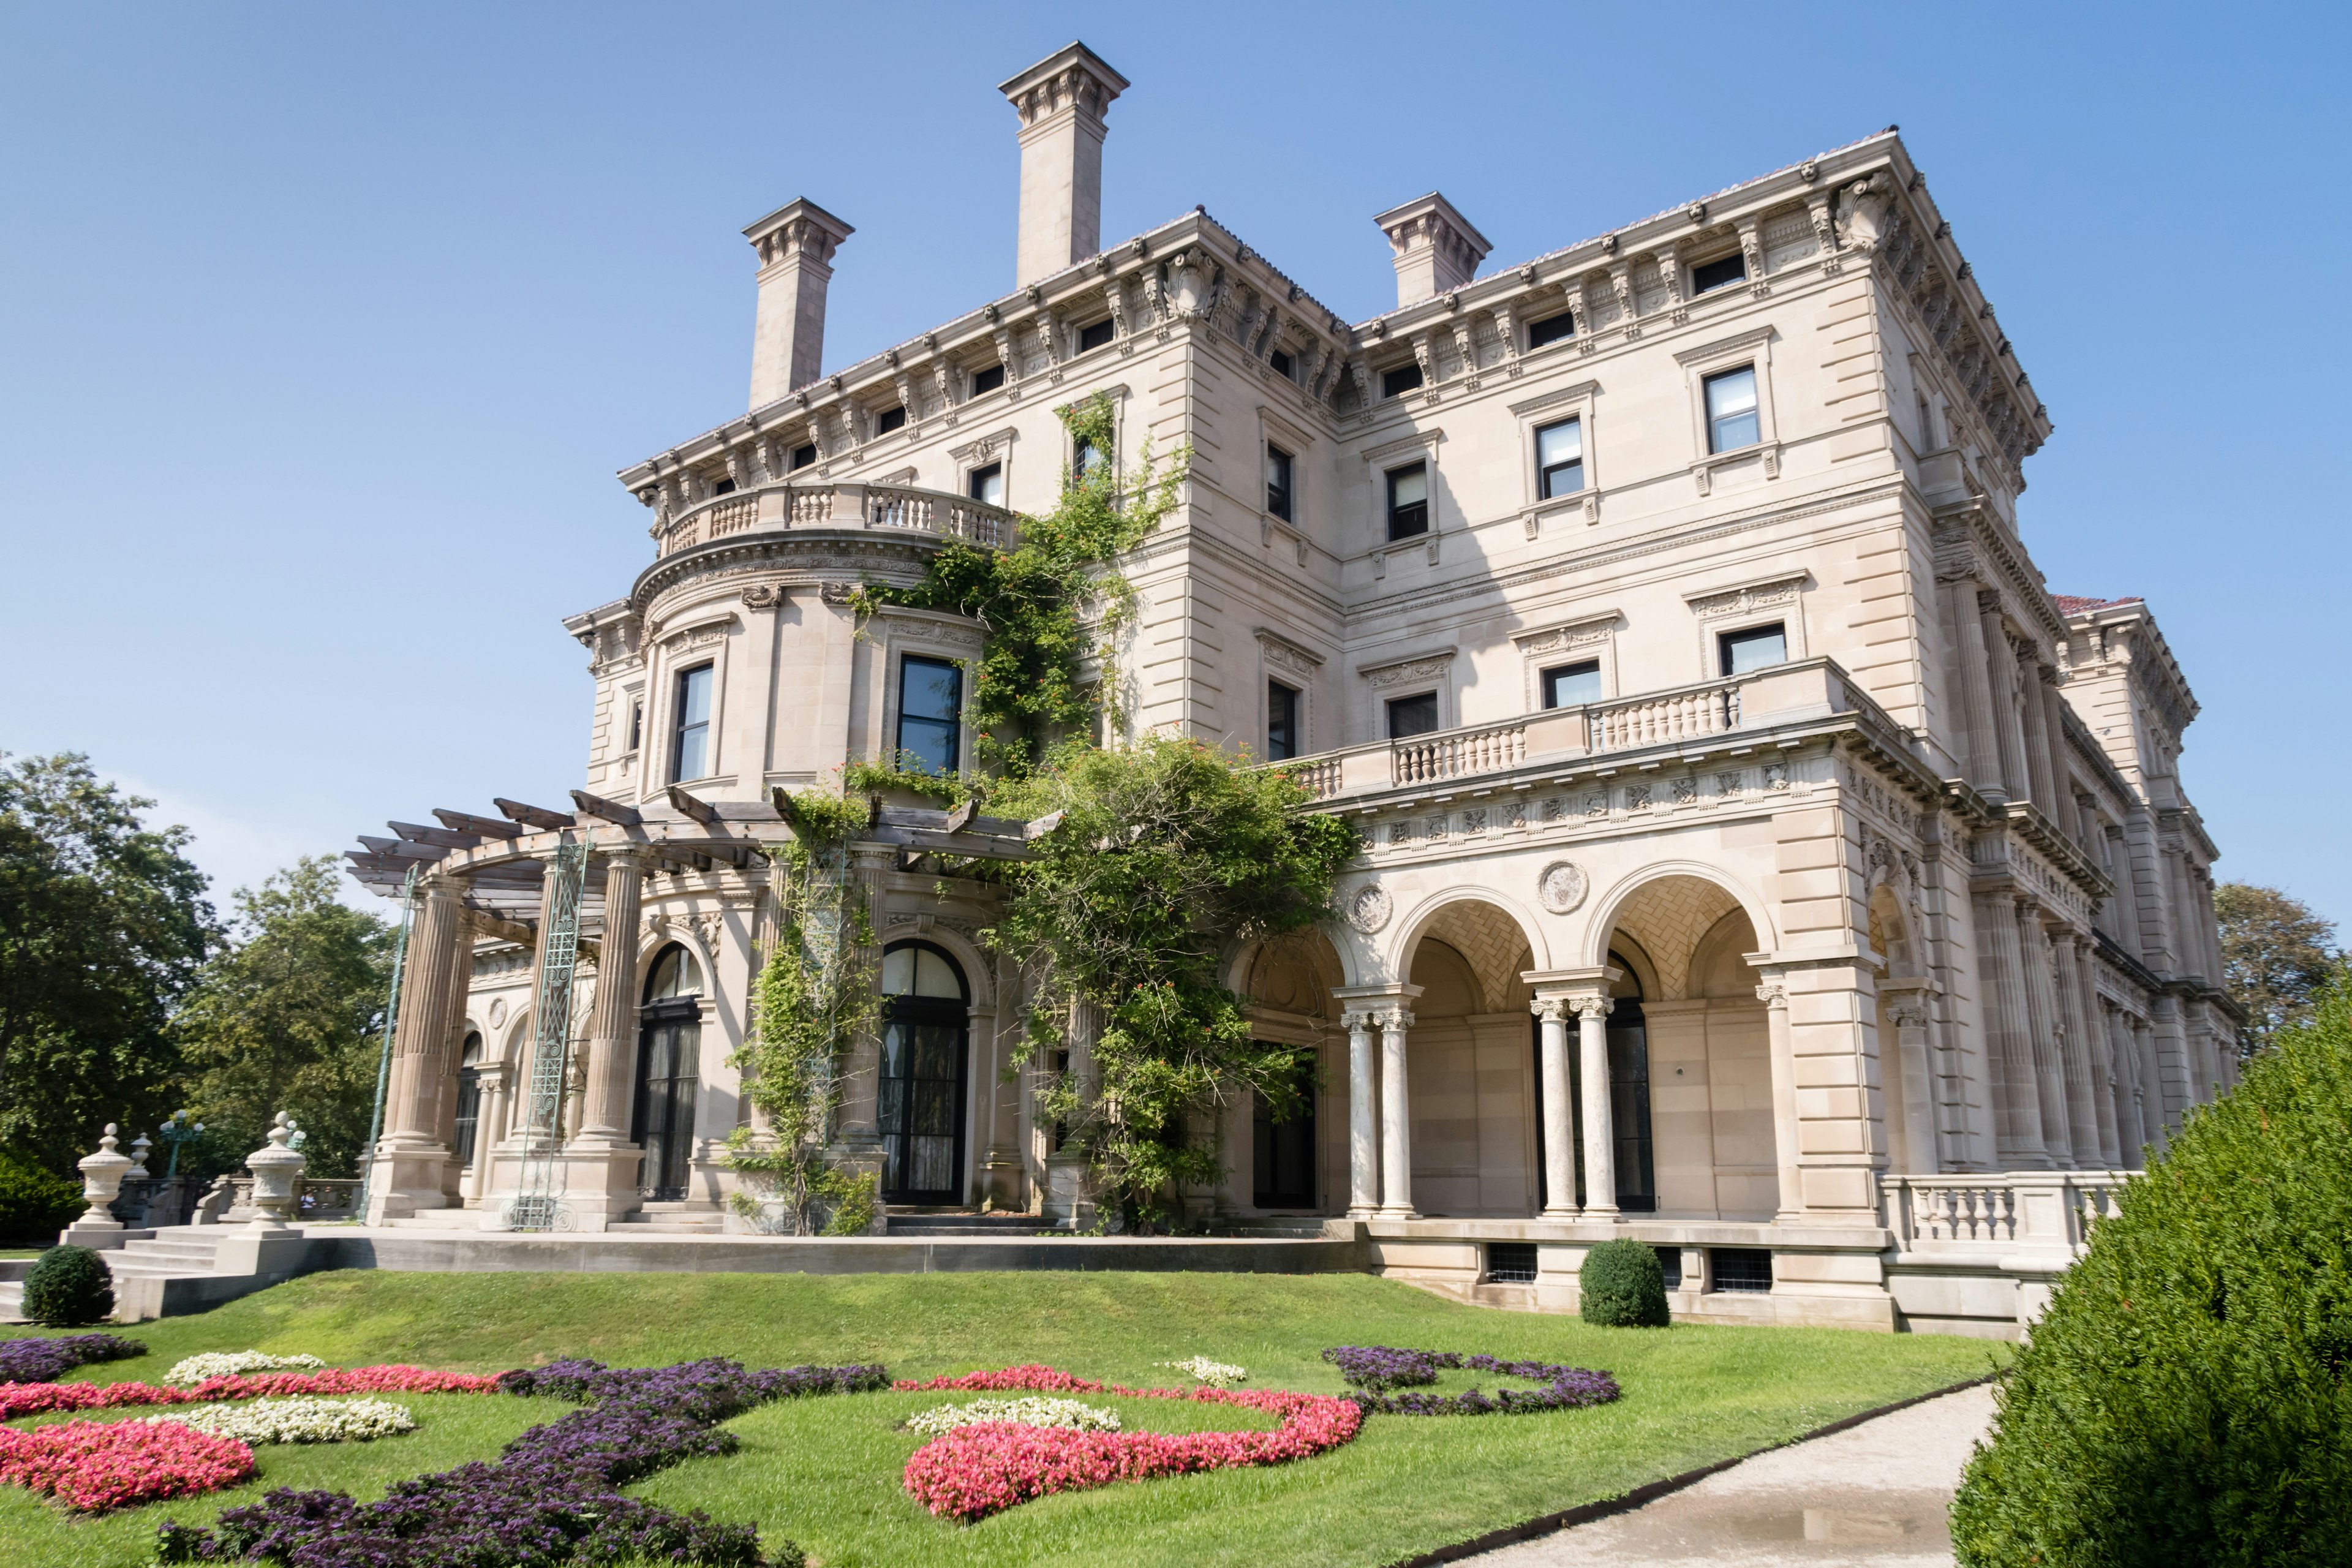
[{"x": 177, "y": 1130}]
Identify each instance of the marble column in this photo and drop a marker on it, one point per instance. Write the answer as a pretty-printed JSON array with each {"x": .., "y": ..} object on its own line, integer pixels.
[
  {"x": 1786, "y": 1150},
  {"x": 613, "y": 1026},
  {"x": 1396, "y": 1118},
  {"x": 861, "y": 1082},
  {"x": 2008, "y": 733},
  {"x": 2151, "y": 1083},
  {"x": 2040, "y": 765},
  {"x": 1907, "y": 1011},
  {"x": 1363, "y": 1116},
  {"x": 2124, "y": 1052},
  {"x": 2082, "y": 1088},
  {"x": 2018, "y": 1142},
  {"x": 2048, "y": 1086},
  {"x": 1600, "y": 1131},
  {"x": 1558, "y": 1111},
  {"x": 2105, "y": 1065},
  {"x": 406, "y": 1168},
  {"x": 1974, "y": 678}
]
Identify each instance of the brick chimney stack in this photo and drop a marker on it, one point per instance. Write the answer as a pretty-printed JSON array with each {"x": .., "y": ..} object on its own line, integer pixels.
[
  {"x": 1436, "y": 248},
  {"x": 796, "y": 243},
  {"x": 1061, "y": 100}
]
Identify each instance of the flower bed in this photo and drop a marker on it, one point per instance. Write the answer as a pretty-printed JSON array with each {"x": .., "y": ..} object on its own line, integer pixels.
[
  {"x": 552, "y": 1496},
  {"x": 97, "y": 1465},
  {"x": 301, "y": 1419},
  {"x": 231, "y": 1364},
  {"x": 1215, "y": 1373},
  {"x": 45, "y": 1360},
  {"x": 1033, "y": 1410},
  {"x": 37, "y": 1398},
  {"x": 1376, "y": 1370},
  {"x": 1040, "y": 1379}
]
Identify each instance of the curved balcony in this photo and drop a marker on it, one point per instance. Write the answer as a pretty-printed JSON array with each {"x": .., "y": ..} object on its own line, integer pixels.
[{"x": 775, "y": 508}]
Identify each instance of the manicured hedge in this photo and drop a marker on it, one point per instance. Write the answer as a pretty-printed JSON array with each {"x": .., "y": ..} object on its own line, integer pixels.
[
  {"x": 1624, "y": 1286},
  {"x": 2187, "y": 1398},
  {"x": 69, "y": 1287}
]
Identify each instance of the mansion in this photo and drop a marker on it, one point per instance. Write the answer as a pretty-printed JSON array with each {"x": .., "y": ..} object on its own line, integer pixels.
[{"x": 1759, "y": 859}]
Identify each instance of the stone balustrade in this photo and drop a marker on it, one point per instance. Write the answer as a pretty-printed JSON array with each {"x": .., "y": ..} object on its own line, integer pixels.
[
  {"x": 781, "y": 506},
  {"x": 1987, "y": 1216}
]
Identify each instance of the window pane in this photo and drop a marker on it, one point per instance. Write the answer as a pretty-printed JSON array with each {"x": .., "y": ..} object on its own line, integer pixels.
[
  {"x": 987, "y": 380},
  {"x": 1087, "y": 458},
  {"x": 693, "y": 750},
  {"x": 1408, "y": 485},
  {"x": 988, "y": 484},
  {"x": 1094, "y": 337},
  {"x": 933, "y": 688},
  {"x": 890, "y": 419},
  {"x": 1716, "y": 274},
  {"x": 1551, "y": 329},
  {"x": 898, "y": 971},
  {"x": 1412, "y": 715},
  {"x": 1560, "y": 442},
  {"x": 1279, "y": 363},
  {"x": 1572, "y": 684},
  {"x": 1733, "y": 392},
  {"x": 694, "y": 695},
  {"x": 1564, "y": 480},
  {"x": 1403, "y": 379},
  {"x": 1758, "y": 648},
  {"x": 1281, "y": 721},
  {"x": 934, "y": 976},
  {"x": 804, "y": 456},
  {"x": 1277, "y": 482}
]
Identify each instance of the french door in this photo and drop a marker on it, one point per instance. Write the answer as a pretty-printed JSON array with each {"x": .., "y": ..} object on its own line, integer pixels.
[
  {"x": 921, "y": 1101},
  {"x": 669, "y": 1051}
]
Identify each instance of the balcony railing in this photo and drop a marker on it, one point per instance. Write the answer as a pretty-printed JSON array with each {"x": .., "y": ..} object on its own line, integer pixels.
[
  {"x": 773, "y": 508},
  {"x": 2049, "y": 1213}
]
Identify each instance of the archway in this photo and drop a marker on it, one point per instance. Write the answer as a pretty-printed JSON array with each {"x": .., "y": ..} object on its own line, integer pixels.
[
  {"x": 1470, "y": 1075},
  {"x": 669, "y": 1053},
  {"x": 920, "y": 1099}
]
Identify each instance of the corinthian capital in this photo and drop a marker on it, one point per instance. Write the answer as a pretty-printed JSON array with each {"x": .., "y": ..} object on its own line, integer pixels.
[
  {"x": 1559, "y": 1008},
  {"x": 1396, "y": 1020},
  {"x": 1592, "y": 1008}
]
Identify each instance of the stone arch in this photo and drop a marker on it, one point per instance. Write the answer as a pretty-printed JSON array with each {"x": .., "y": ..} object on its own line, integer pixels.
[
  {"x": 1481, "y": 925},
  {"x": 1611, "y": 908},
  {"x": 1294, "y": 974},
  {"x": 979, "y": 968}
]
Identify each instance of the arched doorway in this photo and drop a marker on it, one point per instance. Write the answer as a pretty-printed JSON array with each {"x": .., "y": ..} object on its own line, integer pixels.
[
  {"x": 1471, "y": 1100},
  {"x": 919, "y": 1103},
  {"x": 669, "y": 1053},
  {"x": 467, "y": 1129}
]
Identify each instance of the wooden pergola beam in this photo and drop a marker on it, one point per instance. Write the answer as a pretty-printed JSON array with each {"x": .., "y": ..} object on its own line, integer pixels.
[
  {"x": 537, "y": 816},
  {"x": 611, "y": 811}
]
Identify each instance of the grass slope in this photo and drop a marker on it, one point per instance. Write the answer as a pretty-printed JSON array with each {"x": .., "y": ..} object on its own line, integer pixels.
[{"x": 826, "y": 1472}]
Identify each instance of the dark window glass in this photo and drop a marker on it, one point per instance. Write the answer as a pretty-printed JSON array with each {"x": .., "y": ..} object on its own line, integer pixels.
[
  {"x": 919, "y": 1103},
  {"x": 988, "y": 484},
  {"x": 931, "y": 714},
  {"x": 1280, "y": 360},
  {"x": 636, "y": 724},
  {"x": 1670, "y": 1265},
  {"x": 1731, "y": 421},
  {"x": 1758, "y": 647},
  {"x": 804, "y": 456},
  {"x": 1551, "y": 329},
  {"x": 1746, "y": 1269},
  {"x": 1086, "y": 458},
  {"x": 469, "y": 1101},
  {"x": 1284, "y": 1151},
  {"x": 1094, "y": 337},
  {"x": 1408, "y": 500},
  {"x": 692, "y": 755},
  {"x": 1572, "y": 684},
  {"x": 1404, "y": 378},
  {"x": 1559, "y": 459},
  {"x": 669, "y": 1058},
  {"x": 1410, "y": 716},
  {"x": 1277, "y": 482},
  {"x": 1716, "y": 274},
  {"x": 987, "y": 380},
  {"x": 889, "y": 420},
  {"x": 1281, "y": 721},
  {"x": 723, "y": 488},
  {"x": 1510, "y": 1262}
]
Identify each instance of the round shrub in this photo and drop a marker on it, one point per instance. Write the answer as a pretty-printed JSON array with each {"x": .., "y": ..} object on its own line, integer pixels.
[
  {"x": 1624, "y": 1286},
  {"x": 68, "y": 1287},
  {"x": 34, "y": 1205},
  {"x": 2188, "y": 1396}
]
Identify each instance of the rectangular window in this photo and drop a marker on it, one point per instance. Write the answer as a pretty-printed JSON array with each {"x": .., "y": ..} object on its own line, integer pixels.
[
  {"x": 987, "y": 485},
  {"x": 1746, "y": 1269},
  {"x": 1758, "y": 647},
  {"x": 1670, "y": 1266},
  {"x": 1280, "y": 361},
  {"x": 1713, "y": 274},
  {"x": 1094, "y": 337},
  {"x": 804, "y": 456},
  {"x": 1511, "y": 1262},
  {"x": 987, "y": 380},
  {"x": 1551, "y": 329},
  {"x": 890, "y": 419},
  {"x": 1559, "y": 459},
  {"x": 637, "y": 725},
  {"x": 1409, "y": 500},
  {"x": 1731, "y": 410},
  {"x": 723, "y": 488},
  {"x": 690, "y": 756},
  {"x": 1572, "y": 684},
  {"x": 1086, "y": 458},
  {"x": 1277, "y": 482},
  {"x": 931, "y": 714},
  {"x": 1410, "y": 716},
  {"x": 1403, "y": 379},
  {"x": 1281, "y": 721}
]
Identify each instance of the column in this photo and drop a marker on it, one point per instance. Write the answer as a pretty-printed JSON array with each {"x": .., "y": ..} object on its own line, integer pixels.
[
  {"x": 613, "y": 1026},
  {"x": 2040, "y": 765},
  {"x": 2016, "y": 1103},
  {"x": 2151, "y": 1082},
  {"x": 2061, "y": 807},
  {"x": 862, "y": 1075},
  {"x": 406, "y": 1165},
  {"x": 2048, "y": 1083},
  {"x": 2008, "y": 736},
  {"x": 1396, "y": 1120},
  {"x": 445, "y": 1065},
  {"x": 1600, "y": 1129},
  {"x": 2105, "y": 1065},
  {"x": 1906, "y": 1010},
  {"x": 1972, "y": 673},
  {"x": 1787, "y": 1152},
  {"x": 1558, "y": 1111},
  {"x": 2073, "y": 1052},
  {"x": 2130, "y": 1088},
  {"x": 1363, "y": 1116}
]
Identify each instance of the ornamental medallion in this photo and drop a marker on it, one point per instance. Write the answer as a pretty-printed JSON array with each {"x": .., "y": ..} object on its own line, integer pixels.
[
  {"x": 1561, "y": 886},
  {"x": 1368, "y": 909}
]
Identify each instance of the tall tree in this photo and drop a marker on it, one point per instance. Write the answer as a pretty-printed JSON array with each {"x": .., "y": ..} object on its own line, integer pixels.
[
  {"x": 286, "y": 1018},
  {"x": 102, "y": 925},
  {"x": 2275, "y": 955}
]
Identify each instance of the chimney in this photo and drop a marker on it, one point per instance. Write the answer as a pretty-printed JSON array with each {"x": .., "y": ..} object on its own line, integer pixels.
[
  {"x": 796, "y": 245},
  {"x": 1437, "y": 251},
  {"x": 1061, "y": 100}
]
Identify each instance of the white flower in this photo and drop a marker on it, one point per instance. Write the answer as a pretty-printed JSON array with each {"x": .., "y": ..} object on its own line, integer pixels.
[
  {"x": 229, "y": 1364},
  {"x": 1215, "y": 1373},
  {"x": 301, "y": 1419},
  {"x": 1031, "y": 1411}
]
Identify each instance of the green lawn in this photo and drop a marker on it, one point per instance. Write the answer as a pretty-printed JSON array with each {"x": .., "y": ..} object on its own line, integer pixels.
[{"x": 824, "y": 1472}]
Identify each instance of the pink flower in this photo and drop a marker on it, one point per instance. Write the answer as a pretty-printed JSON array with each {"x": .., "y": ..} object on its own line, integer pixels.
[
  {"x": 36, "y": 1398},
  {"x": 100, "y": 1465},
  {"x": 1042, "y": 1379}
]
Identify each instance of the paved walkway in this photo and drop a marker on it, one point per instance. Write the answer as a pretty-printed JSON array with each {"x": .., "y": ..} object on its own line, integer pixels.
[{"x": 1876, "y": 1493}]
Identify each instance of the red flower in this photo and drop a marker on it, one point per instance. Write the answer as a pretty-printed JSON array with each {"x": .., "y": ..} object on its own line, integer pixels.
[
  {"x": 35, "y": 1398},
  {"x": 98, "y": 1465}
]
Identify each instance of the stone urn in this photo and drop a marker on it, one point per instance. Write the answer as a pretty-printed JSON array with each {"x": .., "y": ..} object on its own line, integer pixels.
[
  {"x": 101, "y": 1183},
  {"x": 275, "y": 1169}
]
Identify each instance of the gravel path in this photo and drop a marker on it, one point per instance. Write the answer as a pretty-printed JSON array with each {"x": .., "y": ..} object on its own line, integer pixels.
[{"x": 1876, "y": 1493}]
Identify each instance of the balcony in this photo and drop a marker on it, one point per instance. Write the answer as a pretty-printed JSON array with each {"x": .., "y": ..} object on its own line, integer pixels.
[
  {"x": 1678, "y": 718},
  {"x": 777, "y": 508}
]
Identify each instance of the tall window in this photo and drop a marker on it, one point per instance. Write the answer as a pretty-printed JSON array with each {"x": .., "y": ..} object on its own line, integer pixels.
[
  {"x": 1551, "y": 329},
  {"x": 920, "y": 1089},
  {"x": 1094, "y": 337},
  {"x": 1758, "y": 647},
  {"x": 1712, "y": 275},
  {"x": 1086, "y": 459},
  {"x": 690, "y": 756},
  {"x": 1410, "y": 716},
  {"x": 469, "y": 1101},
  {"x": 1409, "y": 500},
  {"x": 1731, "y": 410},
  {"x": 637, "y": 725},
  {"x": 931, "y": 714},
  {"x": 1572, "y": 684},
  {"x": 988, "y": 484},
  {"x": 1559, "y": 459},
  {"x": 1280, "y": 363},
  {"x": 1281, "y": 721},
  {"x": 670, "y": 1075},
  {"x": 1277, "y": 482},
  {"x": 987, "y": 380},
  {"x": 1403, "y": 379}
]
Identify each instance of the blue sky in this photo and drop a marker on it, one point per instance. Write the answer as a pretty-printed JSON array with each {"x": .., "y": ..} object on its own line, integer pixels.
[{"x": 322, "y": 330}]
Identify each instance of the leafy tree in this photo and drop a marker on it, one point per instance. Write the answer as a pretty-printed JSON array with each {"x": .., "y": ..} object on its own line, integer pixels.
[
  {"x": 286, "y": 1017},
  {"x": 102, "y": 925},
  {"x": 2275, "y": 955}
]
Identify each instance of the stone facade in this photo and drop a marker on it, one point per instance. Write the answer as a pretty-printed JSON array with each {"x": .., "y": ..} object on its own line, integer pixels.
[{"x": 1759, "y": 859}]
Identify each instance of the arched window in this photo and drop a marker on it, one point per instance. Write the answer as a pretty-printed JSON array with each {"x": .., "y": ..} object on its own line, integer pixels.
[
  {"x": 926, "y": 1037},
  {"x": 469, "y": 1101},
  {"x": 669, "y": 1055}
]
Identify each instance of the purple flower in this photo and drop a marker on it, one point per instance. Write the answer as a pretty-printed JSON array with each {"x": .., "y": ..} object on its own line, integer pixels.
[
  {"x": 1376, "y": 1369},
  {"x": 46, "y": 1359}
]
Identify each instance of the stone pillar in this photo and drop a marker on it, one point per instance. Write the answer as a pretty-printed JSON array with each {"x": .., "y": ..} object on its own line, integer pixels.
[
  {"x": 2122, "y": 1051},
  {"x": 2082, "y": 1086},
  {"x": 2008, "y": 734},
  {"x": 612, "y": 1025},
  {"x": 869, "y": 864},
  {"x": 1600, "y": 1126},
  {"x": 2105, "y": 1067},
  {"x": 1787, "y": 1155},
  {"x": 2151, "y": 1082},
  {"x": 1363, "y": 1116},
  {"x": 406, "y": 1176},
  {"x": 2061, "y": 808},
  {"x": 451, "y": 1059},
  {"x": 2172, "y": 1061},
  {"x": 2049, "y": 1085},
  {"x": 1906, "y": 1010},
  {"x": 2016, "y": 1102},
  {"x": 1972, "y": 671},
  {"x": 1396, "y": 1118},
  {"x": 2040, "y": 765},
  {"x": 1558, "y": 1111}
]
